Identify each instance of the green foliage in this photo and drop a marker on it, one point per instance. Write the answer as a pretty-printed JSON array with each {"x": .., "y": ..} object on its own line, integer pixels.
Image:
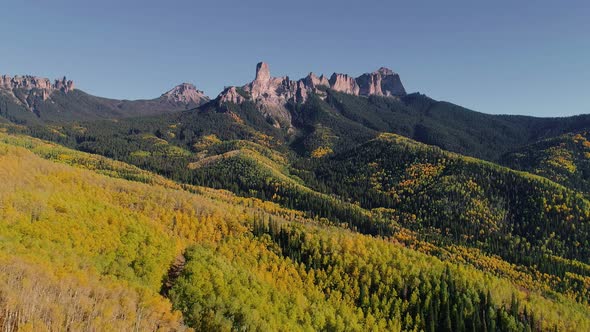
[
  {"x": 281, "y": 275},
  {"x": 488, "y": 248},
  {"x": 446, "y": 197},
  {"x": 564, "y": 159},
  {"x": 293, "y": 277}
]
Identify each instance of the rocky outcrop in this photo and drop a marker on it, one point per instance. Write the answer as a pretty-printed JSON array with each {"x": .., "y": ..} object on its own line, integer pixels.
[
  {"x": 262, "y": 72},
  {"x": 25, "y": 82},
  {"x": 279, "y": 90},
  {"x": 270, "y": 90},
  {"x": 383, "y": 82},
  {"x": 369, "y": 84},
  {"x": 38, "y": 86},
  {"x": 231, "y": 95},
  {"x": 31, "y": 90},
  {"x": 185, "y": 93},
  {"x": 272, "y": 94},
  {"x": 63, "y": 85},
  {"x": 313, "y": 82},
  {"x": 344, "y": 83},
  {"x": 391, "y": 83}
]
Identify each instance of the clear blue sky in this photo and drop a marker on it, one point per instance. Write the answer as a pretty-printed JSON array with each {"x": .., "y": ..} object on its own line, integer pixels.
[{"x": 519, "y": 57}]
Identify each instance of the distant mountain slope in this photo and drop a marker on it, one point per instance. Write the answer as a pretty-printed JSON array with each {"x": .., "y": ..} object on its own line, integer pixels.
[
  {"x": 564, "y": 159},
  {"x": 464, "y": 199},
  {"x": 348, "y": 111},
  {"x": 444, "y": 124},
  {"x": 31, "y": 99}
]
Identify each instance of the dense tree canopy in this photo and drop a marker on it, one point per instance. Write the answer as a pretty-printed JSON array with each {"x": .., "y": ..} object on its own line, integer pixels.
[{"x": 333, "y": 224}]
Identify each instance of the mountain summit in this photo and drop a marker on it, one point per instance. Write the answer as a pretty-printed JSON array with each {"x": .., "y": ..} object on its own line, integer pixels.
[
  {"x": 271, "y": 94},
  {"x": 185, "y": 93}
]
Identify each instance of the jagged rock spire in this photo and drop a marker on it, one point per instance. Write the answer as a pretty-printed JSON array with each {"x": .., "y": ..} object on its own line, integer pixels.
[{"x": 262, "y": 72}]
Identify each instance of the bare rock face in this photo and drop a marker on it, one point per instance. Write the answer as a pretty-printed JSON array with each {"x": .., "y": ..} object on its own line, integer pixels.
[
  {"x": 34, "y": 88},
  {"x": 369, "y": 84},
  {"x": 267, "y": 89},
  {"x": 272, "y": 94},
  {"x": 25, "y": 82},
  {"x": 64, "y": 85},
  {"x": 30, "y": 83},
  {"x": 344, "y": 83},
  {"x": 391, "y": 84},
  {"x": 383, "y": 82},
  {"x": 185, "y": 93},
  {"x": 262, "y": 72},
  {"x": 302, "y": 91},
  {"x": 312, "y": 81},
  {"x": 231, "y": 95}
]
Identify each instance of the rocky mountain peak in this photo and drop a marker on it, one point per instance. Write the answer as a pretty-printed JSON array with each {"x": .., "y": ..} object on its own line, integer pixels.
[
  {"x": 262, "y": 72},
  {"x": 185, "y": 93},
  {"x": 43, "y": 85},
  {"x": 385, "y": 71},
  {"x": 272, "y": 94},
  {"x": 391, "y": 83},
  {"x": 382, "y": 82}
]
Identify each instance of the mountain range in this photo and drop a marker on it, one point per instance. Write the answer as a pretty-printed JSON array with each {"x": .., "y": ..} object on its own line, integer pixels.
[
  {"x": 321, "y": 203},
  {"x": 31, "y": 98}
]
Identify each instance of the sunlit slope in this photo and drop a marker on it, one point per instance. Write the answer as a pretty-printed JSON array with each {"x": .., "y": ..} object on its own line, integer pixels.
[
  {"x": 447, "y": 197},
  {"x": 84, "y": 237},
  {"x": 564, "y": 159},
  {"x": 99, "y": 248}
]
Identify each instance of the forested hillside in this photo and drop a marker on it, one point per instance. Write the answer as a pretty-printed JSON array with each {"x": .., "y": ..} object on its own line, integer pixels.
[
  {"x": 564, "y": 159},
  {"x": 25, "y": 105},
  {"x": 335, "y": 122},
  {"x": 98, "y": 238},
  {"x": 363, "y": 213}
]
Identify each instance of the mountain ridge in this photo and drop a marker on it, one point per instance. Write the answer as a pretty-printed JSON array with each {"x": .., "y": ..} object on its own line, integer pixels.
[
  {"x": 342, "y": 172},
  {"x": 34, "y": 99},
  {"x": 273, "y": 94}
]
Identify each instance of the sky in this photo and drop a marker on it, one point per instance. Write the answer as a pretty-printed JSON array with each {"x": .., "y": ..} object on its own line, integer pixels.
[{"x": 501, "y": 57}]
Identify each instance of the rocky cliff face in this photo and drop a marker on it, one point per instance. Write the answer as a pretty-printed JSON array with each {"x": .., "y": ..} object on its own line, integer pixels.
[
  {"x": 28, "y": 90},
  {"x": 43, "y": 86},
  {"x": 383, "y": 82},
  {"x": 231, "y": 95},
  {"x": 185, "y": 93},
  {"x": 272, "y": 94},
  {"x": 313, "y": 82},
  {"x": 270, "y": 90},
  {"x": 370, "y": 84},
  {"x": 344, "y": 83},
  {"x": 280, "y": 90},
  {"x": 391, "y": 84}
]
